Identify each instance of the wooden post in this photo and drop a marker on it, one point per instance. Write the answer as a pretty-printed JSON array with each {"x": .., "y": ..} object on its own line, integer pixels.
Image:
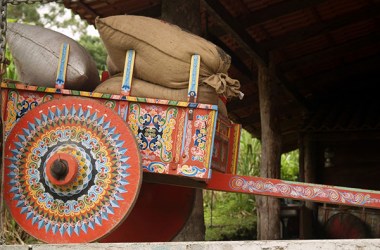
[
  {"x": 309, "y": 176},
  {"x": 187, "y": 15},
  {"x": 268, "y": 208},
  {"x": 184, "y": 13}
]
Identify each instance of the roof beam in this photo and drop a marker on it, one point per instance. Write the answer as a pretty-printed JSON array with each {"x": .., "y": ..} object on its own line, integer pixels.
[
  {"x": 235, "y": 60},
  {"x": 243, "y": 104},
  {"x": 345, "y": 70},
  {"x": 152, "y": 11},
  {"x": 233, "y": 27},
  {"x": 322, "y": 27},
  {"x": 87, "y": 9},
  {"x": 123, "y": 7},
  {"x": 334, "y": 51},
  {"x": 277, "y": 10}
]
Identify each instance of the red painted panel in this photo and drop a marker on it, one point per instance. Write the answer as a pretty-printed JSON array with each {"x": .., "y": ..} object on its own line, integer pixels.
[{"x": 159, "y": 214}]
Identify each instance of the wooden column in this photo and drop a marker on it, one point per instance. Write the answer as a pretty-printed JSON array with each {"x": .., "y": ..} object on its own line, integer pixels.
[
  {"x": 187, "y": 15},
  {"x": 268, "y": 208},
  {"x": 309, "y": 175},
  {"x": 184, "y": 13}
]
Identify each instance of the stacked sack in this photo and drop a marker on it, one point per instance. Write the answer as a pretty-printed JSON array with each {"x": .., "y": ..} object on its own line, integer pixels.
[
  {"x": 163, "y": 59},
  {"x": 36, "y": 51}
]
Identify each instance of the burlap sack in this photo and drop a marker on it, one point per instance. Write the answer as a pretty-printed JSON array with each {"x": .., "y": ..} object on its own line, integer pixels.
[
  {"x": 163, "y": 52},
  {"x": 140, "y": 88},
  {"x": 111, "y": 67},
  {"x": 35, "y": 51}
]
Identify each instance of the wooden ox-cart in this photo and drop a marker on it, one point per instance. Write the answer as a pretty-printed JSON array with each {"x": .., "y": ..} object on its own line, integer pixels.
[{"x": 78, "y": 165}]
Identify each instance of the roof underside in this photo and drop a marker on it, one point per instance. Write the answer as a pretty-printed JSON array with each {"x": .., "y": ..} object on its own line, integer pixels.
[{"x": 321, "y": 48}]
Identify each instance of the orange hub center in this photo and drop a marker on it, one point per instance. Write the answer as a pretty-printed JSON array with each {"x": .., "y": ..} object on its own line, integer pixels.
[{"x": 61, "y": 169}]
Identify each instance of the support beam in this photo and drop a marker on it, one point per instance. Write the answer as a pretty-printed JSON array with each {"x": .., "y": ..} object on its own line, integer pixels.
[{"x": 268, "y": 208}]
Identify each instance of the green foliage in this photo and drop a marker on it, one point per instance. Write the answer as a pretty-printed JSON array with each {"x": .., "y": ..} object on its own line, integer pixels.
[
  {"x": 290, "y": 166},
  {"x": 232, "y": 216},
  {"x": 96, "y": 48},
  {"x": 47, "y": 15},
  {"x": 14, "y": 234},
  {"x": 26, "y": 13},
  {"x": 249, "y": 155},
  {"x": 228, "y": 217},
  {"x": 57, "y": 16},
  {"x": 54, "y": 15},
  {"x": 10, "y": 72}
]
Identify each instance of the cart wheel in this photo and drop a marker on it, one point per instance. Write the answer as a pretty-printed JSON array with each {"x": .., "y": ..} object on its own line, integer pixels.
[
  {"x": 160, "y": 213},
  {"x": 72, "y": 171}
]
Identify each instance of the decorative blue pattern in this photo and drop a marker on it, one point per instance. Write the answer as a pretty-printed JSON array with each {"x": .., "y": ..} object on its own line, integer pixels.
[
  {"x": 60, "y": 81},
  {"x": 192, "y": 92},
  {"x": 126, "y": 86}
]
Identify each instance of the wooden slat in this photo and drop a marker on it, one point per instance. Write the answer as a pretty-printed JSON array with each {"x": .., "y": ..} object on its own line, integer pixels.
[
  {"x": 88, "y": 12},
  {"x": 287, "y": 124},
  {"x": 218, "y": 11},
  {"x": 321, "y": 28},
  {"x": 78, "y": 7},
  {"x": 277, "y": 10},
  {"x": 152, "y": 11},
  {"x": 333, "y": 51},
  {"x": 254, "y": 50},
  {"x": 343, "y": 71},
  {"x": 235, "y": 60},
  {"x": 123, "y": 8}
]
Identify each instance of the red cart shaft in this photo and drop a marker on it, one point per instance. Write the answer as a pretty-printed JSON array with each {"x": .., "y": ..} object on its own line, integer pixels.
[{"x": 294, "y": 190}]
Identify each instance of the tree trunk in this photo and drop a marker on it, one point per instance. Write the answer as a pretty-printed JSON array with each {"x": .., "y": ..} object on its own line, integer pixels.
[
  {"x": 186, "y": 14},
  {"x": 268, "y": 208}
]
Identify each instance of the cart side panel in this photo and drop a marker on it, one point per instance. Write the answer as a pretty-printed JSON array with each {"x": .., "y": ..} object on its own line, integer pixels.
[
  {"x": 226, "y": 146},
  {"x": 172, "y": 142},
  {"x": 174, "y": 138}
]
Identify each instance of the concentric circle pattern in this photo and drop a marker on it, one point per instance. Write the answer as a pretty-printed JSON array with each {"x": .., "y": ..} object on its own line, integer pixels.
[
  {"x": 104, "y": 188},
  {"x": 84, "y": 174}
]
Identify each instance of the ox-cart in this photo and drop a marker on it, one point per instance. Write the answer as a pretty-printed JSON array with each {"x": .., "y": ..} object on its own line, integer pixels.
[{"x": 78, "y": 165}]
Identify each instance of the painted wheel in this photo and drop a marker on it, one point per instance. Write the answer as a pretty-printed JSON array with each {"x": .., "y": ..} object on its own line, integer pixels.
[
  {"x": 160, "y": 213},
  {"x": 346, "y": 226},
  {"x": 72, "y": 171}
]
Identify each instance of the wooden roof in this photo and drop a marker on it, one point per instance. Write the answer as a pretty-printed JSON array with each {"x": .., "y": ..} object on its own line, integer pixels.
[{"x": 321, "y": 49}]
